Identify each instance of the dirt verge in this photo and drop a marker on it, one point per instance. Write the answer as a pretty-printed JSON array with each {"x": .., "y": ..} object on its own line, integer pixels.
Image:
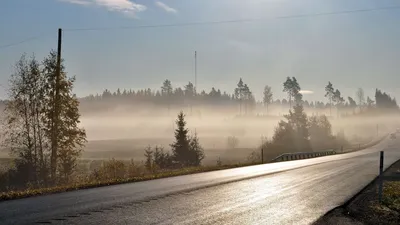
[{"x": 364, "y": 208}]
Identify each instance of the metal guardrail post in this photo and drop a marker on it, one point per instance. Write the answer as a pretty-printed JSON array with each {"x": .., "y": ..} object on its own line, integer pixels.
[
  {"x": 262, "y": 156},
  {"x": 380, "y": 176}
]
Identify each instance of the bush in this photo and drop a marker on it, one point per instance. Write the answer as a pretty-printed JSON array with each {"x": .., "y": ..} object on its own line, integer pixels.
[{"x": 116, "y": 170}]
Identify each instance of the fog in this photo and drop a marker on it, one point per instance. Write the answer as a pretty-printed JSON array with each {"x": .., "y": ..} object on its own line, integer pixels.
[{"x": 123, "y": 133}]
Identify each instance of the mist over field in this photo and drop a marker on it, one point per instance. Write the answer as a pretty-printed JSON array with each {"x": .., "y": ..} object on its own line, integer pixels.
[
  {"x": 121, "y": 129},
  {"x": 124, "y": 133}
]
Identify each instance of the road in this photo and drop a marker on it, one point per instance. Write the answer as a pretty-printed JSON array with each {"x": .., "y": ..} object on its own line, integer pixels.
[{"x": 297, "y": 192}]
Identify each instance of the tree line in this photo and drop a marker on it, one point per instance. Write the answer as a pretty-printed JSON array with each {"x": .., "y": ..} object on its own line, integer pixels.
[{"x": 242, "y": 98}]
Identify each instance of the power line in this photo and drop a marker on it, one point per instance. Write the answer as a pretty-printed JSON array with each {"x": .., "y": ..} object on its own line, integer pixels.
[
  {"x": 209, "y": 22},
  {"x": 41, "y": 35},
  {"x": 232, "y": 21},
  {"x": 20, "y": 42}
]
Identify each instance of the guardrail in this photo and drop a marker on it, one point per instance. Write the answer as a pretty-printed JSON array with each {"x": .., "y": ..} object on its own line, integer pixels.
[
  {"x": 308, "y": 155},
  {"x": 364, "y": 146},
  {"x": 303, "y": 155}
]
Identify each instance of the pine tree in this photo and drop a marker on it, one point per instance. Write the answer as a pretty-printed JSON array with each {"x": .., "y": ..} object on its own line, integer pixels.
[
  {"x": 239, "y": 94},
  {"x": 330, "y": 92},
  {"x": 292, "y": 88},
  {"x": 166, "y": 92}
]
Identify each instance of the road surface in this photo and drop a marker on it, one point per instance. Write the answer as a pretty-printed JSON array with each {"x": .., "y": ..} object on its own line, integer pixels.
[{"x": 297, "y": 192}]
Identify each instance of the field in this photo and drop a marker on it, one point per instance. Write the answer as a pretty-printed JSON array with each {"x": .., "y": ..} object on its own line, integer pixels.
[{"x": 123, "y": 136}]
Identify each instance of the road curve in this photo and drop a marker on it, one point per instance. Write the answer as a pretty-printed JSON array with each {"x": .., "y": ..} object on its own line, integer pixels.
[{"x": 297, "y": 192}]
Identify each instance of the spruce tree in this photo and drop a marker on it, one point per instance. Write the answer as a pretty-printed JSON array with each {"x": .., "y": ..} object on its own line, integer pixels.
[
  {"x": 180, "y": 148},
  {"x": 196, "y": 151}
]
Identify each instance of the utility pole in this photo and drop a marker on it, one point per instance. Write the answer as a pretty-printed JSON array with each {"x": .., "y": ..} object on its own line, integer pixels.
[{"x": 56, "y": 115}]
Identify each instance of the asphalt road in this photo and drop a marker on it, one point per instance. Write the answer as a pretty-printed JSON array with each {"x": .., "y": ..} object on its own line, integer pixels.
[{"x": 297, "y": 192}]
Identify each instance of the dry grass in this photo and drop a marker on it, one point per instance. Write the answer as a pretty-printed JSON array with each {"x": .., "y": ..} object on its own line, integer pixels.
[
  {"x": 391, "y": 195},
  {"x": 11, "y": 195}
]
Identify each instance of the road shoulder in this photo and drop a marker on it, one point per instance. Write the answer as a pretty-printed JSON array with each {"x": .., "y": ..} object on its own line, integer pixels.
[{"x": 364, "y": 208}]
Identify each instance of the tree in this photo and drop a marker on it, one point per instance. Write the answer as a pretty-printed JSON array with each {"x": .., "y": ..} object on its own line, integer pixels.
[
  {"x": 320, "y": 132},
  {"x": 166, "y": 89},
  {"x": 196, "y": 151},
  {"x": 291, "y": 135},
  {"x": 162, "y": 159},
  {"x": 190, "y": 94},
  {"x": 69, "y": 137},
  {"x": 299, "y": 122},
  {"x": 360, "y": 98},
  {"x": 370, "y": 102},
  {"x": 23, "y": 133},
  {"x": 42, "y": 126},
  {"x": 338, "y": 99},
  {"x": 149, "y": 158},
  {"x": 186, "y": 151},
  {"x": 240, "y": 94},
  {"x": 267, "y": 99},
  {"x": 293, "y": 90},
  {"x": 352, "y": 103},
  {"x": 189, "y": 90},
  {"x": 180, "y": 148},
  {"x": 330, "y": 93},
  {"x": 248, "y": 98},
  {"x": 166, "y": 92},
  {"x": 384, "y": 101}
]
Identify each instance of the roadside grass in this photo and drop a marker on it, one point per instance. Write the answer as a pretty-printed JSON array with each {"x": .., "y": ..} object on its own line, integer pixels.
[
  {"x": 391, "y": 195},
  {"x": 87, "y": 182},
  {"x": 11, "y": 195}
]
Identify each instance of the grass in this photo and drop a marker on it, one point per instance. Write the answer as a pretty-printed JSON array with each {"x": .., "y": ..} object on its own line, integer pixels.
[
  {"x": 391, "y": 195},
  {"x": 393, "y": 202},
  {"x": 11, "y": 195}
]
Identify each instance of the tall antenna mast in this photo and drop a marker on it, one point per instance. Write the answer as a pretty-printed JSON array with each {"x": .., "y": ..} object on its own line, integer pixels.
[{"x": 195, "y": 72}]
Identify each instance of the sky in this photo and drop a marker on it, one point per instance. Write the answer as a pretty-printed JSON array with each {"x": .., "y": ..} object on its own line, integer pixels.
[{"x": 350, "y": 50}]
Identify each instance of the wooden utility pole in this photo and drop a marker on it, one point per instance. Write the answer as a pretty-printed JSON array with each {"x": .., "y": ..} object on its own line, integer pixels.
[{"x": 56, "y": 115}]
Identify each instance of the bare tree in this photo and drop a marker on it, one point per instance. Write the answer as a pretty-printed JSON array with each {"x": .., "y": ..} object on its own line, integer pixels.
[
  {"x": 360, "y": 98},
  {"x": 267, "y": 96}
]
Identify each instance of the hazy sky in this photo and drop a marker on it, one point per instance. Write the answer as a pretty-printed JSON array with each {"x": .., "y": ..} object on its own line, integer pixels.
[{"x": 350, "y": 50}]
